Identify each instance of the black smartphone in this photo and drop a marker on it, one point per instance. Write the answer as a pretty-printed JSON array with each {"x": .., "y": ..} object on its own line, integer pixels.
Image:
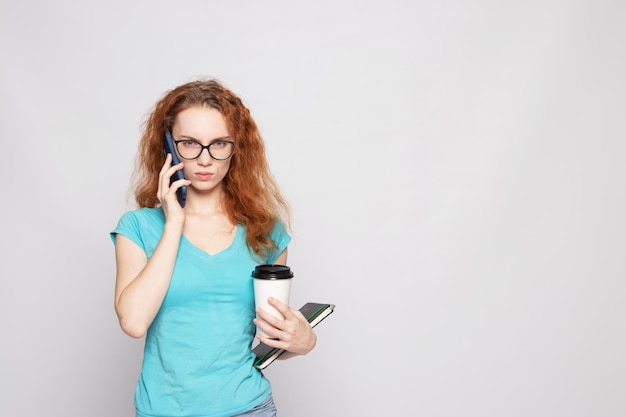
[{"x": 168, "y": 147}]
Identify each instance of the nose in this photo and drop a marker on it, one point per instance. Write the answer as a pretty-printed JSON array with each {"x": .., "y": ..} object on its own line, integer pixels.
[{"x": 205, "y": 157}]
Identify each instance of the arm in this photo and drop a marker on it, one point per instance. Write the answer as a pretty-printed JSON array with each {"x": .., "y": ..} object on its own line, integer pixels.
[{"x": 141, "y": 284}]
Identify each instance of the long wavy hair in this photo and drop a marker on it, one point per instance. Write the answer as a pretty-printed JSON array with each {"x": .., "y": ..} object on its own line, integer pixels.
[{"x": 252, "y": 197}]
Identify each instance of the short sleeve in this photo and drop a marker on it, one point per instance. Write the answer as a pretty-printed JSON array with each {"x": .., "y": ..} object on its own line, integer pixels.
[
  {"x": 128, "y": 226},
  {"x": 280, "y": 236}
]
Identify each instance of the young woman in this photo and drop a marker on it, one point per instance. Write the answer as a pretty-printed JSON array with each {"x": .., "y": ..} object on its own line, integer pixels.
[{"x": 183, "y": 274}]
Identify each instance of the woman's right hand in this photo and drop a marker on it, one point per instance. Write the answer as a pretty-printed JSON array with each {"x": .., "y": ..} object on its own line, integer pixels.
[{"x": 166, "y": 193}]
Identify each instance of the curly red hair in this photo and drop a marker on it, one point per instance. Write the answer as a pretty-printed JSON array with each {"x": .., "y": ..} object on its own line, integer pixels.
[{"x": 252, "y": 197}]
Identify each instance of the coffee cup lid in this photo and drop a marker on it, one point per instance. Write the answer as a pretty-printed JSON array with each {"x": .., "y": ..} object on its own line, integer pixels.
[{"x": 270, "y": 271}]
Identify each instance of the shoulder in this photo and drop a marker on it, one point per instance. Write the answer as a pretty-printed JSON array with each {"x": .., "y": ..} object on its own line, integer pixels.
[
  {"x": 144, "y": 215},
  {"x": 139, "y": 223},
  {"x": 279, "y": 228},
  {"x": 149, "y": 214},
  {"x": 148, "y": 219},
  {"x": 279, "y": 234},
  {"x": 281, "y": 238}
]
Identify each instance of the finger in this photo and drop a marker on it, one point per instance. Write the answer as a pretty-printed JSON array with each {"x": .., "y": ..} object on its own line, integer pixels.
[
  {"x": 166, "y": 165},
  {"x": 281, "y": 307},
  {"x": 163, "y": 185},
  {"x": 166, "y": 173},
  {"x": 179, "y": 183},
  {"x": 172, "y": 169},
  {"x": 167, "y": 170},
  {"x": 270, "y": 318},
  {"x": 267, "y": 329},
  {"x": 264, "y": 326},
  {"x": 272, "y": 341},
  {"x": 171, "y": 192}
]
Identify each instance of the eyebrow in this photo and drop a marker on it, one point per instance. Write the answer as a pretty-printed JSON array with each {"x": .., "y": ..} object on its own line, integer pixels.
[{"x": 186, "y": 137}]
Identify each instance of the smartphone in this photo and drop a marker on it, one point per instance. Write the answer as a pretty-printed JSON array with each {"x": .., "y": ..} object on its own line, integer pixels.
[{"x": 168, "y": 147}]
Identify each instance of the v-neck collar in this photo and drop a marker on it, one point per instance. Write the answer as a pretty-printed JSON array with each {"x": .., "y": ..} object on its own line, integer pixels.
[{"x": 238, "y": 230}]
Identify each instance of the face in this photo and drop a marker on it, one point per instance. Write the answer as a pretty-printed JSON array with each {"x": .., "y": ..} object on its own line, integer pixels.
[{"x": 206, "y": 126}]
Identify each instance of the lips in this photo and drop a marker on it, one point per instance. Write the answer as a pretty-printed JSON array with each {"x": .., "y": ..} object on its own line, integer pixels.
[{"x": 203, "y": 176}]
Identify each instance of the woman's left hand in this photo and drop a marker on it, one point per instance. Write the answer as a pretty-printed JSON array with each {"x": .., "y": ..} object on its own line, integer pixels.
[{"x": 294, "y": 333}]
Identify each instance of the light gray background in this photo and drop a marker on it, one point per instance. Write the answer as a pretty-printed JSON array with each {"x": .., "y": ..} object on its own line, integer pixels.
[{"x": 455, "y": 168}]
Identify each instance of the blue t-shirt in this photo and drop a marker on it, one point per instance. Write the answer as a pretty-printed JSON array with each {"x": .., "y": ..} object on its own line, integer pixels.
[{"x": 197, "y": 356}]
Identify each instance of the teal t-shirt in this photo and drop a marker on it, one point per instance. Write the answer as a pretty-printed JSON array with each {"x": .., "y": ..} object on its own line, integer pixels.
[{"x": 197, "y": 356}]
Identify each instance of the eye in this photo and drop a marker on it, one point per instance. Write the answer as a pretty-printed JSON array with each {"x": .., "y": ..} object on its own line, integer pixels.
[
  {"x": 189, "y": 143},
  {"x": 219, "y": 144}
]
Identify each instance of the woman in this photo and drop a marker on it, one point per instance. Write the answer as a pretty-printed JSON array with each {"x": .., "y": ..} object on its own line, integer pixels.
[{"x": 183, "y": 273}]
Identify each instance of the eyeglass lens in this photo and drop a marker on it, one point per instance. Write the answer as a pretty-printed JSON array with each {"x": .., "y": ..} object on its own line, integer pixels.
[{"x": 190, "y": 149}]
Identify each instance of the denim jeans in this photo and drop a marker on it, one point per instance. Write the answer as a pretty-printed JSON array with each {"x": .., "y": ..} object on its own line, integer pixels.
[{"x": 265, "y": 409}]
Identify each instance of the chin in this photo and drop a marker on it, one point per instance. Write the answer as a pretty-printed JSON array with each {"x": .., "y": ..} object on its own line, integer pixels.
[{"x": 204, "y": 188}]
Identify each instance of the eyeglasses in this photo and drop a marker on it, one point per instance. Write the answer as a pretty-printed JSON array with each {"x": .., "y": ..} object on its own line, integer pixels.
[{"x": 218, "y": 150}]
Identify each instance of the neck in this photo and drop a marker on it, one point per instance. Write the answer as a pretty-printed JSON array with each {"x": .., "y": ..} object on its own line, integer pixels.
[{"x": 205, "y": 203}]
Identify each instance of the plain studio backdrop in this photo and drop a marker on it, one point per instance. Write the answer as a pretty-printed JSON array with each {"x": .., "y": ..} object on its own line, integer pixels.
[{"x": 456, "y": 174}]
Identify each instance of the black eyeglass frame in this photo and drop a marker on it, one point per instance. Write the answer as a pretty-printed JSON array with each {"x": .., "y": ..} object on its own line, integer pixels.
[{"x": 207, "y": 147}]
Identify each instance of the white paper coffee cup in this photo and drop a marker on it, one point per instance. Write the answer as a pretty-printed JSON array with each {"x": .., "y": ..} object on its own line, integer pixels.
[{"x": 271, "y": 281}]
